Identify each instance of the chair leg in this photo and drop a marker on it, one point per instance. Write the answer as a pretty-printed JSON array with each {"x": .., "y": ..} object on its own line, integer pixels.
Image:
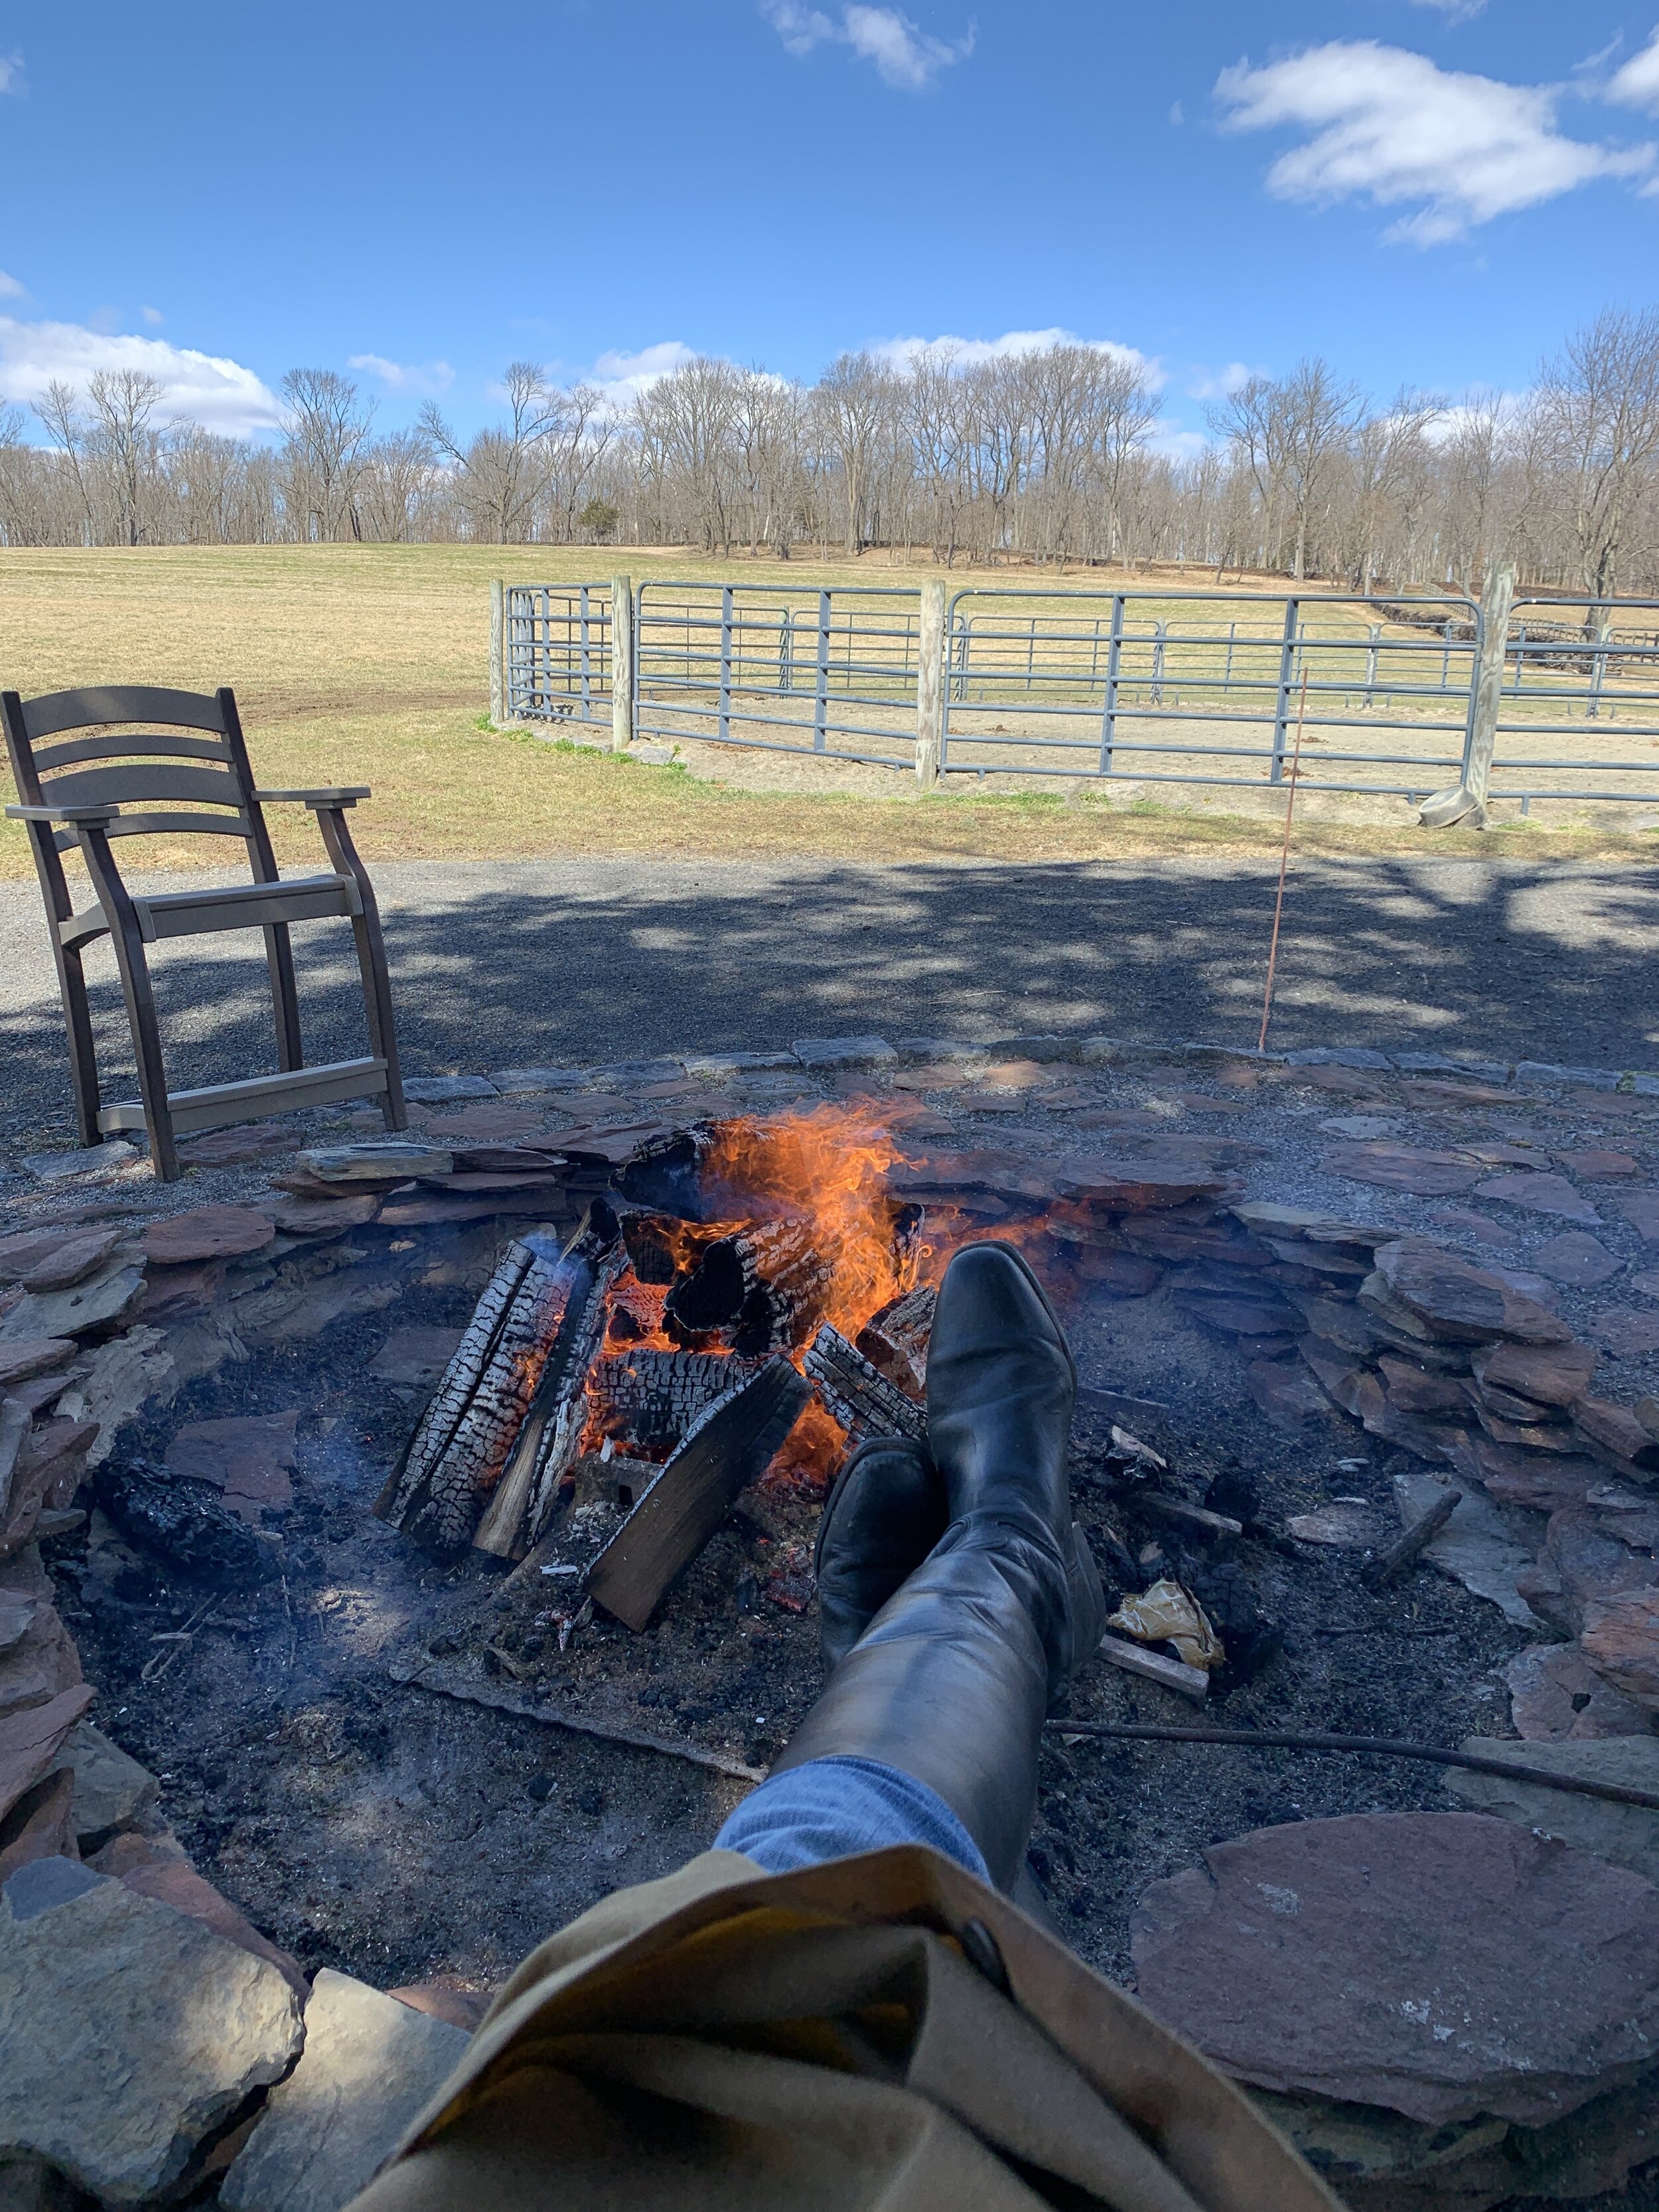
[
  {"x": 134, "y": 969},
  {"x": 371, "y": 960},
  {"x": 83, "y": 1053},
  {"x": 284, "y": 998}
]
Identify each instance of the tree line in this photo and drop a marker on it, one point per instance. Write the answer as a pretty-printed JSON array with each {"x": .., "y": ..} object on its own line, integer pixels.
[{"x": 1046, "y": 456}]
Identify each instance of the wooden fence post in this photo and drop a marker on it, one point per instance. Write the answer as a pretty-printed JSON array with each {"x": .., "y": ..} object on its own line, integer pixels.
[
  {"x": 621, "y": 662},
  {"x": 1495, "y": 603},
  {"x": 1465, "y": 804},
  {"x": 497, "y": 652},
  {"x": 929, "y": 684}
]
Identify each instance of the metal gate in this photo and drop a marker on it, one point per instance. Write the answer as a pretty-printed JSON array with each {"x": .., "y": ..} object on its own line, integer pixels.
[{"x": 1141, "y": 685}]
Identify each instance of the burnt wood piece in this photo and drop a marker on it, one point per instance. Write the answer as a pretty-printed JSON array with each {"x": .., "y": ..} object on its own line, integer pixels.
[
  {"x": 461, "y": 1441},
  {"x": 105, "y": 783},
  {"x": 764, "y": 1287},
  {"x": 857, "y": 1394},
  {"x": 895, "y": 1340},
  {"x": 730, "y": 1443},
  {"x": 1387, "y": 1566},
  {"x": 666, "y": 1172},
  {"x": 550, "y": 1437},
  {"x": 648, "y": 1399}
]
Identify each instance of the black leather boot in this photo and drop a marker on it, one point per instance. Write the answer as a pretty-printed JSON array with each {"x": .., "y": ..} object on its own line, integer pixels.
[
  {"x": 884, "y": 1515},
  {"x": 952, "y": 1679}
]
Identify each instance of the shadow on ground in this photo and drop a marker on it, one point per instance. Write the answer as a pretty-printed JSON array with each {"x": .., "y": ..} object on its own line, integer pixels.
[{"x": 552, "y": 962}]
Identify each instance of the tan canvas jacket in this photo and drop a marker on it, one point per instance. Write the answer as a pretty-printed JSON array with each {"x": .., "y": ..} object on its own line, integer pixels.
[{"x": 821, "y": 2041}]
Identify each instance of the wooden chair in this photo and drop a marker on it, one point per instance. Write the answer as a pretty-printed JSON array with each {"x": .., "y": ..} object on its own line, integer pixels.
[{"x": 197, "y": 756}]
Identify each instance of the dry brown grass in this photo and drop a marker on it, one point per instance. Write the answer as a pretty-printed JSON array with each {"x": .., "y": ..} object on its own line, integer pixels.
[{"x": 367, "y": 663}]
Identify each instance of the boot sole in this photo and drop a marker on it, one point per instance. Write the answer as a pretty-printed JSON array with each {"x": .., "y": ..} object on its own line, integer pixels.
[{"x": 995, "y": 1244}]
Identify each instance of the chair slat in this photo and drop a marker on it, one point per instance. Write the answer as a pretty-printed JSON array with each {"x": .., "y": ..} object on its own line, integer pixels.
[
  {"x": 113, "y": 746},
  {"x": 152, "y": 825},
  {"x": 119, "y": 702},
  {"x": 245, "y": 906},
  {"x": 105, "y": 786}
]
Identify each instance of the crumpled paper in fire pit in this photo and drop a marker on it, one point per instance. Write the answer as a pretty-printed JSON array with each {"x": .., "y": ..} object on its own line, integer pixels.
[{"x": 1168, "y": 1613}]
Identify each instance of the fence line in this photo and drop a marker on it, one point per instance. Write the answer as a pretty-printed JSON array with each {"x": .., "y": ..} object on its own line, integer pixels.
[{"x": 1140, "y": 686}]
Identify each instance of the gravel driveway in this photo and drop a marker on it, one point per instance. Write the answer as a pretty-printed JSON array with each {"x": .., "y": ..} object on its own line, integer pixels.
[{"x": 531, "y": 961}]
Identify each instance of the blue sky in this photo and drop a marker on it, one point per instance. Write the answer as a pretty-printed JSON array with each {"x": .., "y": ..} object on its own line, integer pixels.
[{"x": 1424, "y": 190}]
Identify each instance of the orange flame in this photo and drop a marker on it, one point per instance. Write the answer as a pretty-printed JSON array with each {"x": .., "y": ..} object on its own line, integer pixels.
[{"x": 829, "y": 1164}]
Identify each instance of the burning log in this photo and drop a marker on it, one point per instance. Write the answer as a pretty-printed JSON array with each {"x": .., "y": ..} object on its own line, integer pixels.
[
  {"x": 648, "y": 1401},
  {"x": 857, "y": 1394},
  {"x": 460, "y": 1445},
  {"x": 764, "y": 1287},
  {"x": 895, "y": 1340},
  {"x": 550, "y": 1438},
  {"x": 725, "y": 1449},
  {"x": 666, "y": 1172}
]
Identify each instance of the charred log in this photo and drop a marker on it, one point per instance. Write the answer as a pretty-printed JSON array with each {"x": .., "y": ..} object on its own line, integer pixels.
[
  {"x": 764, "y": 1288},
  {"x": 462, "y": 1442},
  {"x": 666, "y": 1172},
  {"x": 647, "y": 1400},
  {"x": 895, "y": 1339},
  {"x": 856, "y": 1393},
  {"x": 729, "y": 1446},
  {"x": 551, "y": 1437}
]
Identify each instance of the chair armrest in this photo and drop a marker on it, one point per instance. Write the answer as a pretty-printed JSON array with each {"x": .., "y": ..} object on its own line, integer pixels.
[
  {"x": 70, "y": 814},
  {"x": 345, "y": 795}
]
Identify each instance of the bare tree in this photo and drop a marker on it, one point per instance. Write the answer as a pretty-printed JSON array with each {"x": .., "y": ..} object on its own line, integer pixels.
[
  {"x": 122, "y": 401},
  {"x": 61, "y": 418},
  {"x": 1598, "y": 405},
  {"x": 1387, "y": 456},
  {"x": 1290, "y": 434},
  {"x": 692, "y": 416},
  {"x": 507, "y": 476},
  {"x": 325, "y": 426},
  {"x": 856, "y": 401}
]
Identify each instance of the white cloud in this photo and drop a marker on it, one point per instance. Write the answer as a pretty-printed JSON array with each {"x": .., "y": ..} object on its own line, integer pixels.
[
  {"x": 1169, "y": 437},
  {"x": 1455, "y": 11},
  {"x": 621, "y": 377},
  {"x": 1637, "y": 85},
  {"x": 970, "y": 352},
  {"x": 1177, "y": 113},
  {"x": 11, "y": 73},
  {"x": 906, "y": 56},
  {"x": 11, "y": 289},
  {"x": 1392, "y": 128},
  {"x": 153, "y": 316},
  {"x": 421, "y": 380},
  {"x": 206, "y": 387},
  {"x": 1220, "y": 383}
]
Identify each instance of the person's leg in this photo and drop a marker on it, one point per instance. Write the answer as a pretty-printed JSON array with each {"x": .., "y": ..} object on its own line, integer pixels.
[{"x": 948, "y": 1686}]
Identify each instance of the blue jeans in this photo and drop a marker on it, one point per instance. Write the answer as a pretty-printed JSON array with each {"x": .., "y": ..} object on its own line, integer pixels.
[{"x": 831, "y": 1808}]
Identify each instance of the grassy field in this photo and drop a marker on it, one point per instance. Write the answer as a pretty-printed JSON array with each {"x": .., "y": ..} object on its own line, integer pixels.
[{"x": 368, "y": 664}]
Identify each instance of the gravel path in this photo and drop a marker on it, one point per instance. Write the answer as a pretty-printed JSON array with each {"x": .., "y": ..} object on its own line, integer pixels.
[{"x": 530, "y": 962}]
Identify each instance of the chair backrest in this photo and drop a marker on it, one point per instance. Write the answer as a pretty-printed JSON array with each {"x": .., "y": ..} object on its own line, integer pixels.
[{"x": 195, "y": 766}]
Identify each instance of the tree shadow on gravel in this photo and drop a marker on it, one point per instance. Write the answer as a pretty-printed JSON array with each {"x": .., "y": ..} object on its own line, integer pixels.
[{"x": 552, "y": 963}]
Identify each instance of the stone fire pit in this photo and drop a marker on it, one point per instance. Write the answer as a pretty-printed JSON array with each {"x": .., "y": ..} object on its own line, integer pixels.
[{"x": 361, "y": 1754}]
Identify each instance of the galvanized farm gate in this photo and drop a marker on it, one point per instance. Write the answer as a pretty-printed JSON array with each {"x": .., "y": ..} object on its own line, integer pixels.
[{"x": 1392, "y": 694}]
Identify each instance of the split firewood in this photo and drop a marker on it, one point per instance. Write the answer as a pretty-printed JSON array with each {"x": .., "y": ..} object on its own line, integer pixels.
[
  {"x": 549, "y": 1440},
  {"x": 763, "y": 1288},
  {"x": 729, "y": 1446},
  {"x": 462, "y": 1442},
  {"x": 895, "y": 1339},
  {"x": 645, "y": 1401},
  {"x": 857, "y": 1394}
]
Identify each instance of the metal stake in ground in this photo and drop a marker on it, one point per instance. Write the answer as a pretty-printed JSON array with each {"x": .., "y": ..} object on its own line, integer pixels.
[{"x": 1284, "y": 864}]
